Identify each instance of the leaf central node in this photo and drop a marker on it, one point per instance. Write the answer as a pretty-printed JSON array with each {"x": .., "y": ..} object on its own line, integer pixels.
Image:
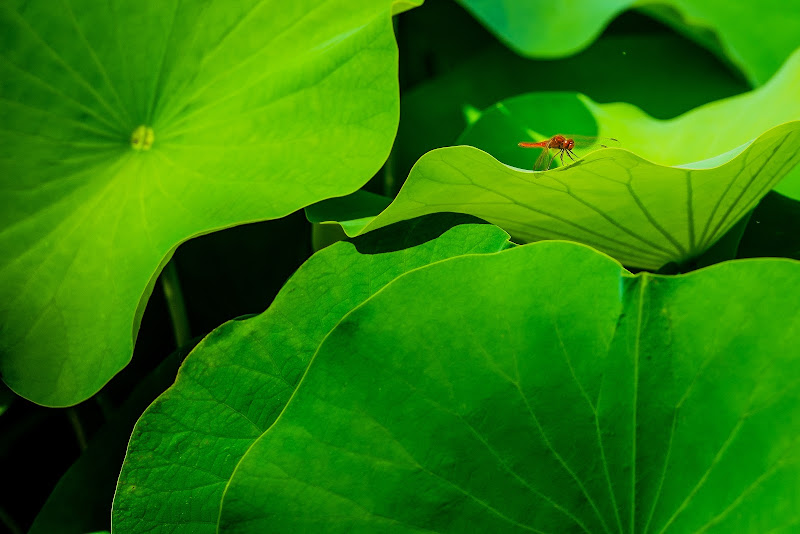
[{"x": 142, "y": 138}]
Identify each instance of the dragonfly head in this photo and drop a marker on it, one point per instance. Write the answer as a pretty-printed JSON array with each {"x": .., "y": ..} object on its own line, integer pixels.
[{"x": 570, "y": 144}]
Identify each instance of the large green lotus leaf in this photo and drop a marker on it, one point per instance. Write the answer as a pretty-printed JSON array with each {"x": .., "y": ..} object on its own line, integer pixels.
[
  {"x": 644, "y": 214},
  {"x": 232, "y": 387},
  {"x": 129, "y": 127},
  {"x": 703, "y": 133},
  {"x": 706, "y": 169},
  {"x": 553, "y": 392},
  {"x": 656, "y": 69},
  {"x": 755, "y": 39}
]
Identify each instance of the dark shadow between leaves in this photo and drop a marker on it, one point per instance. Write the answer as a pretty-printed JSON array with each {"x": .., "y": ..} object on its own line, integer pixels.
[
  {"x": 410, "y": 233},
  {"x": 773, "y": 230}
]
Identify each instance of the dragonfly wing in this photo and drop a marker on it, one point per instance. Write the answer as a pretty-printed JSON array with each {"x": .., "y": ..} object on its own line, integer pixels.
[
  {"x": 545, "y": 159},
  {"x": 586, "y": 141}
]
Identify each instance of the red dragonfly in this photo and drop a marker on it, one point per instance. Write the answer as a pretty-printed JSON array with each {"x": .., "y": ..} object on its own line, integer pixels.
[{"x": 563, "y": 145}]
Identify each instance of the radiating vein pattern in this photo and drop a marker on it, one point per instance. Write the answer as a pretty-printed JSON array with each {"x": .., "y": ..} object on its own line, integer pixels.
[
  {"x": 558, "y": 405},
  {"x": 239, "y": 379},
  {"x": 643, "y": 214},
  {"x": 108, "y": 111}
]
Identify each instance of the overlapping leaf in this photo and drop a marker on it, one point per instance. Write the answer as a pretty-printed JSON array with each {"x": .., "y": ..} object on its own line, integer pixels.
[
  {"x": 553, "y": 393},
  {"x": 128, "y": 127},
  {"x": 81, "y": 501},
  {"x": 707, "y": 132},
  {"x": 755, "y": 38},
  {"x": 657, "y": 70},
  {"x": 706, "y": 169},
  {"x": 237, "y": 381},
  {"x": 643, "y": 214}
]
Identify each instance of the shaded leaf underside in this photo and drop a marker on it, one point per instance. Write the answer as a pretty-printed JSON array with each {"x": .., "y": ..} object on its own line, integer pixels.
[{"x": 643, "y": 214}]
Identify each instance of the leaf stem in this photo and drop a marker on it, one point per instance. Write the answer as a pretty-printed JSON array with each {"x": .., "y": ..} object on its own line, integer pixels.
[
  {"x": 389, "y": 182},
  {"x": 105, "y": 407},
  {"x": 177, "y": 308},
  {"x": 9, "y": 522},
  {"x": 77, "y": 427}
]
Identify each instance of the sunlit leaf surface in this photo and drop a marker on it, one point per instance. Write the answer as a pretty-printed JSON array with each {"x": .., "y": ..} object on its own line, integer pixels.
[
  {"x": 643, "y": 214},
  {"x": 128, "y": 127},
  {"x": 553, "y": 393},
  {"x": 236, "y": 382}
]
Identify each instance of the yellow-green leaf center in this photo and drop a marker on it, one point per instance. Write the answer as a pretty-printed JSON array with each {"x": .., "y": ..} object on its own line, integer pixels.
[{"x": 142, "y": 138}]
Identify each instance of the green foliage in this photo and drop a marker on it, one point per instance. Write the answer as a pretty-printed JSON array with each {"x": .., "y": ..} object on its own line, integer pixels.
[
  {"x": 569, "y": 394},
  {"x": 644, "y": 214},
  {"x": 576, "y": 399},
  {"x": 756, "y": 38},
  {"x": 709, "y": 134},
  {"x": 131, "y": 127},
  {"x": 427, "y": 374},
  {"x": 706, "y": 170},
  {"x": 561, "y": 28},
  {"x": 659, "y": 72},
  {"x": 81, "y": 501},
  {"x": 237, "y": 381}
]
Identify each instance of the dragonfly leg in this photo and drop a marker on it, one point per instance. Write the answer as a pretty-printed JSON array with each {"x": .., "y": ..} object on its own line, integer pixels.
[{"x": 570, "y": 153}]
